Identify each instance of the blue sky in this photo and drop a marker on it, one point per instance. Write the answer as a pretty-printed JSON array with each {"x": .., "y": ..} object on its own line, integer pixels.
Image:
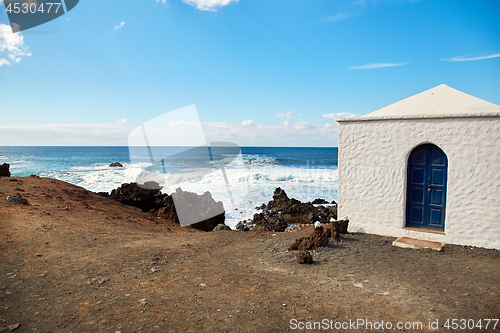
[{"x": 260, "y": 72}]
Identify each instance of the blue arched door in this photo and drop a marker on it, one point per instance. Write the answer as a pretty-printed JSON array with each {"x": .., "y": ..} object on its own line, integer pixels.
[{"x": 426, "y": 196}]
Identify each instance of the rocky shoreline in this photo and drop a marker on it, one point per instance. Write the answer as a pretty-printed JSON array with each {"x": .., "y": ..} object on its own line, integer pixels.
[
  {"x": 280, "y": 214},
  {"x": 277, "y": 215}
]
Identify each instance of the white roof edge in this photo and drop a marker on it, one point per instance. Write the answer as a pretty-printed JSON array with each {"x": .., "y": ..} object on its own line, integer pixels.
[
  {"x": 437, "y": 116},
  {"x": 438, "y": 101}
]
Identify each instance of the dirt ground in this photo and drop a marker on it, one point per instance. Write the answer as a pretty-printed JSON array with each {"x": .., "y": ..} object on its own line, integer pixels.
[{"x": 72, "y": 261}]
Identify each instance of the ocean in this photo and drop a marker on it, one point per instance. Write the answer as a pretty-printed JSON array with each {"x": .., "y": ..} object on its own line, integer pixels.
[{"x": 242, "y": 180}]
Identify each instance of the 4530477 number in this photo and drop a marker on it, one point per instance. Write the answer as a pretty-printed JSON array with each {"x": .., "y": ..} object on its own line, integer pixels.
[
  {"x": 32, "y": 8},
  {"x": 471, "y": 324}
]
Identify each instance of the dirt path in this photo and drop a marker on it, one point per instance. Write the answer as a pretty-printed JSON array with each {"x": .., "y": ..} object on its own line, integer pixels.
[{"x": 101, "y": 266}]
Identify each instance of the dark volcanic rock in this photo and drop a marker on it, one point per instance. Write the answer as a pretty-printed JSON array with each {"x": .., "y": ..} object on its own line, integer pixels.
[
  {"x": 221, "y": 227},
  {"x": 193, "y": 207},
  {"x": 273, "y": 222},
  {"x": 4, "y": 170},
  {"x": 279, "y": 194},
  {"x": 335, "y": 230},
  {"x": 343, "y": 225},
  {"x": 292, "y": 210},
  {"x": 151, "y": 185},
  {"x": 243, "y": 226},
  {"x": 304, "y": 257},
  {"x": 281, "y": 211},
  {"x": 116, "y": 164},
  {"x": 134, "y": 195},
  {"x": 319, "y": 202},
  {"x": 338, "y": 227},
  {"x": 317, "y": 239},
  {"x": 17, "y": 198},
  {"x": 325, "y": 214}
]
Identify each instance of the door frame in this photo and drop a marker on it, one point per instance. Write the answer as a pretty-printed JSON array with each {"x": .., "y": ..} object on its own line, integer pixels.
[{"x": 407, "y": 188}]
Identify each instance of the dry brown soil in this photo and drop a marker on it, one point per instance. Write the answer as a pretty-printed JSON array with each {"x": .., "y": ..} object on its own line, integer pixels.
[{"x": 100, "y": 266}]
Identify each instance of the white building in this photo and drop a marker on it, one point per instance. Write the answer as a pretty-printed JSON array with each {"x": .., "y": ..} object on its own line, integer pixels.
[{"x": 427, "y": 167}]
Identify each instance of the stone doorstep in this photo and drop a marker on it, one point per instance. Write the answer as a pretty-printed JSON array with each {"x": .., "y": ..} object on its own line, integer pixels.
[{"x": 412, "y": 243}]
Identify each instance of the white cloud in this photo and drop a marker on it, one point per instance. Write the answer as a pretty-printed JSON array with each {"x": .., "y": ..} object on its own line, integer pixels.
[
  {"x": 123, "y": 121},
  {"x": 303, "y": 125},
  {"x": 119, "y": 25},
  {"x": 285, "y": 134},
  {"x": 65, "y": 134},
  {"x": 247, "y": 133},
  {"x": 162, "y": 1},
  {"x": 467, "y": 58},
  {"x": 11, "y": 46},
  {"x": 209, "y": 5},
  {"x": 333, "y": 116},
  {"x": 378, "y": 65},
  {"x": 248, "y": 123},
  {"x": 288, "y": 115}
]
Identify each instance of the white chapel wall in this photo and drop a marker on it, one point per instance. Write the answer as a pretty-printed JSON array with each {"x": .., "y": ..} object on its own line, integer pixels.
[{"x": 372, "y": 176}]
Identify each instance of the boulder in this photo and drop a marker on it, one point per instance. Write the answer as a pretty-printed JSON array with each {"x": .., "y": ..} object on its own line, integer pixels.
[
  {"x": 151, "y": 185},
  {"x": 338, "y": 227},
  {"x": 193, "y": 207},
  {"x": 334, "y": 230},
  {"x": 273, "y": 222},
  {"x": 304, "y": 257},
  {"x": 282, "y": 211},
  {"x": 221, "y": 227},
  {"x": 18, "y": 199},
  {"x": 116, "y": 164},
  {"x": 325, "y": 214},
  {"x": 4, "y": 170},
  {"x": 243, "y": 226},
  {"x": 149, "y": 198},
  {"x": 343, "y": 225},
  {"x": 134, "y": 195},
  {"x": 279, "y": 194},
  {"x": 319, "y": 202},
  {"x": 317, "y": 239},
  {"x": 291, "y": 210}
]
